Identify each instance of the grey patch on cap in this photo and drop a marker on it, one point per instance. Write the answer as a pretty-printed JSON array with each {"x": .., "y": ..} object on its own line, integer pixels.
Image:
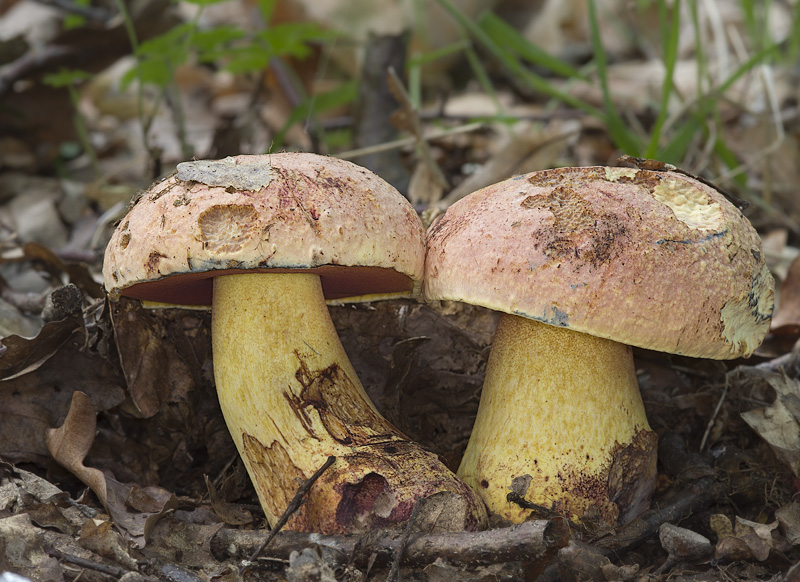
[{"x": 226, "y": 173}]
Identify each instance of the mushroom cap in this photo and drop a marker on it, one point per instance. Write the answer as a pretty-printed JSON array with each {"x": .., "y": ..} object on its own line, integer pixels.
[
  {"x": 657, "y": 260},
  {"x": 288, "y": 212}
]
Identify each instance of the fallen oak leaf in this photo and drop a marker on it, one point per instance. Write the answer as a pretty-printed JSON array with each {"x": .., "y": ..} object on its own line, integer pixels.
[
  {"x": 779, "y": 423},
  {"x": 69, "y": 445}
]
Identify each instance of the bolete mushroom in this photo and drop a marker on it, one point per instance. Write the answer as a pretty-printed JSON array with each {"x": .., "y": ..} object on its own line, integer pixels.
[
  {"x": 265, "y": 240},
  {"x": 585, "y": 263}
]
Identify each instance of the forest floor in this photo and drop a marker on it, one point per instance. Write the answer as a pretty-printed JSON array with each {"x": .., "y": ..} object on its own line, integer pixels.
[{"x": 115, "y": 460}]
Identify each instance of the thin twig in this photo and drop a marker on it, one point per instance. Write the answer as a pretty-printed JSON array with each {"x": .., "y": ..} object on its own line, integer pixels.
[
  {"x": 394, "y": 571},
  {"x": 412, "y": 124},
  {"x": 293, "y": 506},
  {"x": 714, "y": 415},
  {"x": 407, "y": 141},
  {"x": 83, "y": 562}
]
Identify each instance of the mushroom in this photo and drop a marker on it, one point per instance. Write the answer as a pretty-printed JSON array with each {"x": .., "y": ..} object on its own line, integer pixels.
[
  {"x": 265, "y": 240},
  {"x": 584, "y": 263}
]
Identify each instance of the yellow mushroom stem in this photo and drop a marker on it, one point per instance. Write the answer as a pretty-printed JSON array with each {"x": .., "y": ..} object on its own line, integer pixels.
[
  {"x": 291, "y": 398},
  {"x": 561, "y": 425}
]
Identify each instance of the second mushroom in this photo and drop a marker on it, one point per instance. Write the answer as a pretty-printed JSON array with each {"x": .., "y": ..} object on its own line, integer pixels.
[
  {"x": 584, "y": 263},
  {"x": 266, "y": 240}
]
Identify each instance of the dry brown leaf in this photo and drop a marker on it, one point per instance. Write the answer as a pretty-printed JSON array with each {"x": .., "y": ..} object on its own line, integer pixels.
[
  {"x": 154, "y": 371},
  {"x": 683, "y": 545},
  {"x": 788, "y": 517},
  {"x": 779, "y": 423},
  {"x": 526, "y": 151},
  {"x": 78, "y": 273},
  {"x": 21, "y": 355},
  {"x": 21, "y": 550},
  {"x": 744, "y": 540},
  {"x": 227, "y": 512},
  {"x": 37, "y": 400},
  {"x": 22, "y": 491},
  {"x": 788, "y": 314},
  {"x": 100, "y": 537},
  {"x": 69, "y": 445}
]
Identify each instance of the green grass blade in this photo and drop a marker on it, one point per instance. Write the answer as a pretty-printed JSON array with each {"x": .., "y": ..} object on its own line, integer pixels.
[
  {"x": 731, "y": 161},
  {"x": 745, "y": 68},
  {"x": 680, "y": 140},
  {"x": 429, "y": 57},
  {"x": 483, "y": 78},
  {"x": 620, "y": 134},
  {"x": 508, "y": 61},
  {"x": 671, "y": 38},
  {"x": 508, "y": 38}
]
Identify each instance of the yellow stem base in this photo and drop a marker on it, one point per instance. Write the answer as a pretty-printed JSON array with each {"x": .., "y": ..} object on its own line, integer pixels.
[
  {"x": 291, "y": 398},
  {"x": 561, "y": 425}
]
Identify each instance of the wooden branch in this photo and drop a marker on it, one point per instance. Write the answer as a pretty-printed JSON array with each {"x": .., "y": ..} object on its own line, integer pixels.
[{"x": 533, "y": 542}]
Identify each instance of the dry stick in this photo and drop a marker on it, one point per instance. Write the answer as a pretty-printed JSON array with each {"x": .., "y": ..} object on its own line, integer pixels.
[
  {"x": 414, "y": 126},
  {"x": 84, "y": 563},
  {"x": 293, "y": 506},
  {"x": 690, "y": 500},
  {"x": 535, "y": 541}
]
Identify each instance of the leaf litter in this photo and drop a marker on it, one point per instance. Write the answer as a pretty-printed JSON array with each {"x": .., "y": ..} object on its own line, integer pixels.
[{"x": 115, "y": 462}]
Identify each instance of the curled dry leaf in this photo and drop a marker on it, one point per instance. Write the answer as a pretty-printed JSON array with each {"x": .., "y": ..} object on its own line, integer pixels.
[
  {"x": 227, "y": 512},
  {"x": 744, "y": 540},
  {"x": 135, "y": 510},
  {"x": 779, "y": 423},
  {"x": 39, "y": 398},
  {"x": 20, "y": 355}
]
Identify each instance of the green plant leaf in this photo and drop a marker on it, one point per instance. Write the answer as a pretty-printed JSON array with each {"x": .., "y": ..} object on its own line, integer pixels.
[
  {"x": 680, "y": 140},
  {"x": 150, "y": 71},
  {"x": 319, "y": 103},
  {"x": 73, "y": 21},
  {"x": 731, "y": 161},
  {"x": 431, "y": 56},
  {"x": 205, "y": 2},
  {"x": 246, "y": 59},
  {"x": 215, "y": 39},
  {"x": 293, "y": 38},
  {"x": 169, "y": 44},
  {"x": 66, "y": 78}
]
